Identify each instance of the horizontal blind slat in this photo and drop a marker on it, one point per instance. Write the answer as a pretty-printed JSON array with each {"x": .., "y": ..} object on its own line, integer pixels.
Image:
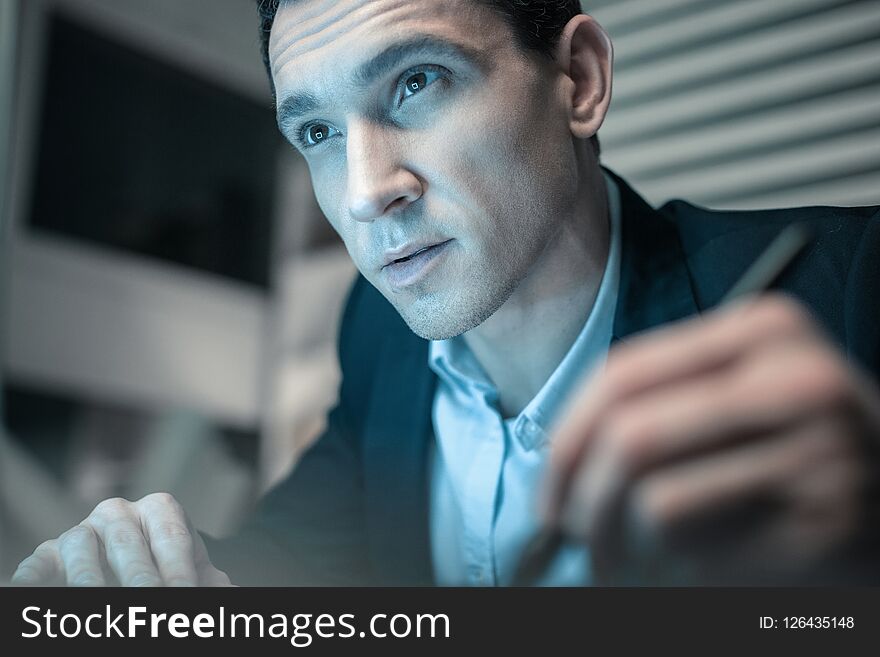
[
  {"x": 784, "y": 168},
  {"x": 776, "y": 126},
  {"x": 722, "y": 21},
  {"x": 854, "y": 190},
  {"x": 850, "y": 24},
  {"x": 845, "y": 69}
]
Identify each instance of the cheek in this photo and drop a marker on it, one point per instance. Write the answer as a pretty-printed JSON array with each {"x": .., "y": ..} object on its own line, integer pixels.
[
  {"x": 511, "y": 166},
  {"x": 329, "y": 188},
  {"x": 329, "y": 197}
]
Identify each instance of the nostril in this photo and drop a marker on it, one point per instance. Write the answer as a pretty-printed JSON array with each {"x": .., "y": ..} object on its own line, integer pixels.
[{"x": 397, "y": 203}]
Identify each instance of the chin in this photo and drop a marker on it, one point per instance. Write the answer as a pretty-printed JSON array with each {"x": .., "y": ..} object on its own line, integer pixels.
[{"x": 432, "y": 317}]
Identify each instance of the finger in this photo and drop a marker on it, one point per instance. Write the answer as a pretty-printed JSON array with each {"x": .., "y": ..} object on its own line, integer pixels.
[
  {"x": 211, "y": 576},
  {"x": 677, "y": 500},
  {"x": 40, "y": 568},
  {"x": 660, "y": 359},
  {"x": 762, "y": 395},
  {"x": 208, "y": 574},
  {"x": 81, "y": 556},
  {"x": 774, "y": 538},
  {"x": 796, "y": 384},
  {"x": 126, "y": 547},
  {"x": 170, "y": 539},
  {"x": 705, "y": 343},
  {"x": 825, "y": 512}
]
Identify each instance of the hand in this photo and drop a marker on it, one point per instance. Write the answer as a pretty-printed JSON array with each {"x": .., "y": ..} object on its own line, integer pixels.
[
  {"x": 145, "y": 543},
  {"x": 732, "y": 448}
]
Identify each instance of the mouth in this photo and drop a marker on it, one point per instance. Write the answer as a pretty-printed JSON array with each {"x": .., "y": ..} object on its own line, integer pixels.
[
  {"x": 410, "y": 264},
  {"x": 407, "y": 253}
]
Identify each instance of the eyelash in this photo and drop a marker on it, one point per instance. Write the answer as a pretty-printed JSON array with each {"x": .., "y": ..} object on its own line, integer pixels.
[{"x": 301, "y": 132}]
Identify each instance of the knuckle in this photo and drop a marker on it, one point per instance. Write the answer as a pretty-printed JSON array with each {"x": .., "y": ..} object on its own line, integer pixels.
[
  {"x": 824, "y": 379},
  {"x": 615, "y": 375},
  {"x": 29, "y": 569},
  {"x": 627, "y": 440},
  {"x": 170, "y": 531},
  {"x": 84, "y": 579},
  {"x": 24, "y": 574},
  {"x": 25, "y": 564},
  {"x": 159, "y": 498},
  {"x": 76, "y": 535},
  {"x": 783, "y": 313},
  {"x": 142, "y": 578},
  {"x": 112, "y": 507},
  {"x": 160, "y": 503},
  {"x": 124, "y": 536}
]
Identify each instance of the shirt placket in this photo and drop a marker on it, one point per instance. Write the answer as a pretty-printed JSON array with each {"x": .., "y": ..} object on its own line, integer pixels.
[{"x": 482, "y": 484}]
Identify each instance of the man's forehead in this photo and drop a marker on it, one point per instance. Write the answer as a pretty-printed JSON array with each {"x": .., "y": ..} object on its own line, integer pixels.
[{"x": 322, "y": 31}]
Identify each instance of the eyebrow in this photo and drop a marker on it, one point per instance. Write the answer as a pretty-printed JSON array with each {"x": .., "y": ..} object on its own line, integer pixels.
[{"x": 297, "y": 104}]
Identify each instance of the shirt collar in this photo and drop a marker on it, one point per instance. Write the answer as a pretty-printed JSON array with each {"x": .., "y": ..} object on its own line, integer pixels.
[{"x": 454, "y": 362}]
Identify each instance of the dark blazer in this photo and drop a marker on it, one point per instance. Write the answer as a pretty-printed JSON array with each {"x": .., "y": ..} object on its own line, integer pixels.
[{"x": 355, "y": 508}]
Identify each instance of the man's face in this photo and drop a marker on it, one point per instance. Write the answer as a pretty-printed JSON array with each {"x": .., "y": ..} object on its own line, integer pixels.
[{"x": 439, "y": 150}]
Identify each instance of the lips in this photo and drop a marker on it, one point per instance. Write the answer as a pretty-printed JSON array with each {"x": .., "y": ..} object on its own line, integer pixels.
[
  {"x": 409, "y": 257},
  {"x": 409, "y": 265},
  {"x": 409, "y": 251}
]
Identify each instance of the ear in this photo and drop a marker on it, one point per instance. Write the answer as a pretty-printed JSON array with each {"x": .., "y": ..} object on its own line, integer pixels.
[{"x": 585, "y": 54}]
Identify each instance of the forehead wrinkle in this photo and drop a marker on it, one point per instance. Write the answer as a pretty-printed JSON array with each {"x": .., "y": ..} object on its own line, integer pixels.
[
  {"x": 374, "y": 17},
  {"x": 308, "y": 38},
  {"x": 311, "y": 9}
]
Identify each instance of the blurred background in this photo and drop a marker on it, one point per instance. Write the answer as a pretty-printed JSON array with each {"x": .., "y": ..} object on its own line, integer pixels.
[{"x": 169, "y": 291}]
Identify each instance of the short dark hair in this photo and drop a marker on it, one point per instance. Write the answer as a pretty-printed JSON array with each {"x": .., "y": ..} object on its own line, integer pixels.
[{"x": 536, "y": 24}]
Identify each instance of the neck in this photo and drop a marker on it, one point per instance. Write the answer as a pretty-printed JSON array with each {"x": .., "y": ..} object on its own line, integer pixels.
[{"x": 548, "y": 309}]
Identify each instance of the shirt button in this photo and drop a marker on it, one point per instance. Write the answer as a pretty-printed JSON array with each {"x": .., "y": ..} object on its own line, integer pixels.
[{"x": 531, "y": 434}]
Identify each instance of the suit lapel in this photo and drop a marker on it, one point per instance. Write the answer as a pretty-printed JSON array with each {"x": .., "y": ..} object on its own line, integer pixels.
[
  {"x": 396, "y": 441},
  {"x": 655, "y": 285}
]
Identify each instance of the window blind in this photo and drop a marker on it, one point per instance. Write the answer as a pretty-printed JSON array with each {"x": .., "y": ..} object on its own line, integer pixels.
[{"x": 745, "y": 103}]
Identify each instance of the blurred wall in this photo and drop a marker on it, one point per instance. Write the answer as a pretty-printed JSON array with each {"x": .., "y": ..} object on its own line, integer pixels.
[
  {"x": 92, "y": 321},
  {"x": 125, "y": 374}
]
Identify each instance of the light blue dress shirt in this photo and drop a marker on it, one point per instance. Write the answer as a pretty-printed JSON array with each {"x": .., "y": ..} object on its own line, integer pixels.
[{"x": 485, "y": 470}]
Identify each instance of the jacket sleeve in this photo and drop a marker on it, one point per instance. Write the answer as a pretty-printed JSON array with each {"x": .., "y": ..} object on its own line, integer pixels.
[{"x": 309, "y": 530}]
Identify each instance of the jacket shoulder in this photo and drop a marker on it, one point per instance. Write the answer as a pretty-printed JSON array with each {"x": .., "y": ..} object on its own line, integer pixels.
[
  {"x": 719, "y": 245},
  {"x": 699, "y": 226},
  {"x": 837, "y": 276}
]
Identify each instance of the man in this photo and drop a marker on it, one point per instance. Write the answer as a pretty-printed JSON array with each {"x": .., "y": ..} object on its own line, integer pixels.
[{"x": 452, "y": 146}]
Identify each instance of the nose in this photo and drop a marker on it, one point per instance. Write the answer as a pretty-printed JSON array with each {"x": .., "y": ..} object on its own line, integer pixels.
[{"x": 378, "y": 182}]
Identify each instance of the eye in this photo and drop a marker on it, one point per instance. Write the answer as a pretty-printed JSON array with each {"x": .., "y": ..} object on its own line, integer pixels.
[
  {"x": 416, "y": 81},
  {"x": 316, "y": 133}
]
